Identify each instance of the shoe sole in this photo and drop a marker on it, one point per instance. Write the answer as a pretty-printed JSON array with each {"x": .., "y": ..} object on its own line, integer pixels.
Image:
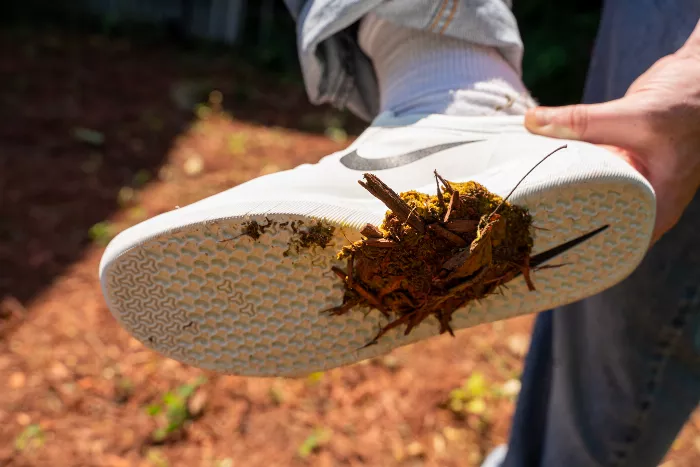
[{"x": 205, "y": 295}]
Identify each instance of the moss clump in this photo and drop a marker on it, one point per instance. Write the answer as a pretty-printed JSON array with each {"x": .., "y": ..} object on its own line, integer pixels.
[
  {"x": 254, "y": 229},
  {"x": 318, "y": 234},
  {"x": 461, "y": 245}
]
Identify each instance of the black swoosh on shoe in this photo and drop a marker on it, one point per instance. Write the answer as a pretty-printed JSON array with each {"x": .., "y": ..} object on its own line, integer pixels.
[
  {"x": 541, "y": 258},
  {"x": 354, "y": 161}
]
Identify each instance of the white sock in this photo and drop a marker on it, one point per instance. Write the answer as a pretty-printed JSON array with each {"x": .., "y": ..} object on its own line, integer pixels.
[{"x": 423, "y": 72}]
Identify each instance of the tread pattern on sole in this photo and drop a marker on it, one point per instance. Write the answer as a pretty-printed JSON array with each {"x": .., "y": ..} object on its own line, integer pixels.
[{"x": 209, "y": 297}]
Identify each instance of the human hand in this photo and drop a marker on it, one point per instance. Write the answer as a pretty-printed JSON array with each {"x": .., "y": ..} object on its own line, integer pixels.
[{"x": 655, "y": 127}]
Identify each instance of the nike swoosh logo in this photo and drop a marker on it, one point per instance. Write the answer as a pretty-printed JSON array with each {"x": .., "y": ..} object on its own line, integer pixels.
[
  {"x": 354, "y": 161},
  {"x": 541, "y": 258}
]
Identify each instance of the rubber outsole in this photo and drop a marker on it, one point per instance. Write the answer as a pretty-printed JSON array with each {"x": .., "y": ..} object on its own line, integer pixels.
[{"x": 209, "y": 296}]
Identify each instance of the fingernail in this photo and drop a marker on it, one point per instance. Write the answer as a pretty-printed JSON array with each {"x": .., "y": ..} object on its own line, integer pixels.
[
  {"x": 544, "y": 116},
  {"x": 540, "y": 122}
]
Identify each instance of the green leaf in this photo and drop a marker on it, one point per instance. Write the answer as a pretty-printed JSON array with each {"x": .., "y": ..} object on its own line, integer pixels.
[
  {"x": 159, "y": 434},
  {"x": 89, "y": 136},
  {"x": 315, "y": 377},
  {"x": 277, "y": 395},
  {"x": 186, "y": 390},
  {"x": 141, "y": 178},
  {"x": 476, "y": 406},
  {"x": 458, "y": 394},
  {"x": 237, "y": 143},
  {"x": 102, "y": 232},
  {"x": 31, "y": 437},
  {"x": 154, "y": 409},
  {"x": 313, "y": 441},
  {"x": 476, "y": 386},
  {"x": 172, "y": 399},
  {"x": 337, "y": 135},
  {"x": 456, "y": 405}
]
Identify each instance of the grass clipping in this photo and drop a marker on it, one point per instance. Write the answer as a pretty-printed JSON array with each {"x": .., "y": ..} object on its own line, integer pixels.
[{"x": 433, "y": 254}]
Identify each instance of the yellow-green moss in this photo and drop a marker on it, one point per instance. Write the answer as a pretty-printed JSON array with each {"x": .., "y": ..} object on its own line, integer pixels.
[{"x": 412, "y": 274}]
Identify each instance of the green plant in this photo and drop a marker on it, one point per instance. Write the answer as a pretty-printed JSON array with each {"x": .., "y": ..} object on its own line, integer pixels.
[
  {"x": 471, "y": 396},
  {"x": 277, "y": 394},
  {"x": 88, "y": 136},
  {"x": 141, "y": 178},
  {"x": 123, "y": 389},
  {"x": 137, "y": 213},
  {"x": 126, "y": 196},
  {"x": 319, "y": 437},
  {"x": 237, "y": 143},
  {"x": 32, "y": 437},
  {"x": 173, "y": 406},
  {"x": 102, "y": 232},
  {"x": 157, "y": 458},
  {"x": 314, "y": 378}
]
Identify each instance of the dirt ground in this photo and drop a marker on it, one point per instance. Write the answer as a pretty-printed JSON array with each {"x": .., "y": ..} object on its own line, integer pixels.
[{"x": 98, "y": 134}]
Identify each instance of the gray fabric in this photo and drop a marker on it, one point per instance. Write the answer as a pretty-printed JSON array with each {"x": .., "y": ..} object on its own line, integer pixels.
[{"x": 336, "y": 71}]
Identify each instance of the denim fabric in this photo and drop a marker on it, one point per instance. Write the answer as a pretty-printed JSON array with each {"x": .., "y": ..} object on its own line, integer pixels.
[{"x": 337, "y": 72}]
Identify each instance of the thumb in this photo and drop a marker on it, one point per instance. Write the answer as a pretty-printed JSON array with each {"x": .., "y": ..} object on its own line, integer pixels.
[
  {"x": 610, "y": 123},
  {"x": 692, "y": 44}
]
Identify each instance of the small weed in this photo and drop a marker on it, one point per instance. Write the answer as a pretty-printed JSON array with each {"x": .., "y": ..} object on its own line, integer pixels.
[
  {"x": 156, "y": 458},
  {"x": 315, "y": 440},
  {"x": 102, "y": 232},
  {"x": 471, "y": 397},
  {"x": 123, "y": 390},
  {"x": 32, "y": 437},
  {"x": 335, "y": 128},
  {"x": 174, "y": 407},
  {"x": 213, "y": 106},
  {"x": 126, "y": 196},
  {"x": 237, "y": 143},
  {"x": 314, "y": 378},
  {"x": 137, "y": 213},
  {"x": 203, "y": 111},
  {"x": 277, "y": 395},
  {"x": 88, "y": 136},
  {"x": 141, "y": 178},
  {"x": 336, "y": 134}
]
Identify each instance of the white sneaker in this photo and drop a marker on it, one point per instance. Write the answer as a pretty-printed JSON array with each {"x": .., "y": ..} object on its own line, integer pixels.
[
  {"x": 189, "y": 285},
  {"x": 496, "y": 457}
]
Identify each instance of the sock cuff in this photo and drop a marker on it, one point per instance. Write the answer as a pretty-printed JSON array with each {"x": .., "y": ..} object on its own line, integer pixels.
[{"x": 415, "y": 67}]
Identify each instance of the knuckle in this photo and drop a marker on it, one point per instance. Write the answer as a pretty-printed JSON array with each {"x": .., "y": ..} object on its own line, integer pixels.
[{"x": 578, "y": 119}]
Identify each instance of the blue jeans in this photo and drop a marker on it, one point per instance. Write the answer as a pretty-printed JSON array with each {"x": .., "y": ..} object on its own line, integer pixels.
[{"x": 611, "y": 380}]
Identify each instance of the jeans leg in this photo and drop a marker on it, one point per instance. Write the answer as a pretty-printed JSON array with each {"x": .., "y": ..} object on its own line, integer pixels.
[
  {"x": 336, "y": 70},
  {"x": 527, "y": 438},
  {"x": 622, "y": 375}
]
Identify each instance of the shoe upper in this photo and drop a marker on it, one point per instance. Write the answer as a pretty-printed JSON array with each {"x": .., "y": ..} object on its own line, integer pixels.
[{"x": 405, "y": 152}]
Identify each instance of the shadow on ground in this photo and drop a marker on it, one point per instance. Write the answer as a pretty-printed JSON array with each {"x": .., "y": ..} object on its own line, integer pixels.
[{"x": 86, "y": 119}]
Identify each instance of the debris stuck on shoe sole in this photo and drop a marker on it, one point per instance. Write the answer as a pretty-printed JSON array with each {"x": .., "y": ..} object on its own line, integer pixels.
[{"x": 433, "y": 254}]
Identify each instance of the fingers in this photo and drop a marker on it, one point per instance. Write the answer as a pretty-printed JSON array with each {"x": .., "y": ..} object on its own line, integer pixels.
[{"x": 610, "y": 123}]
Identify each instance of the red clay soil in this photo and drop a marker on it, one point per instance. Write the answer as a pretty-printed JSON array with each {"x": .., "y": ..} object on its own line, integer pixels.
[{"x": 78, "y": 391}]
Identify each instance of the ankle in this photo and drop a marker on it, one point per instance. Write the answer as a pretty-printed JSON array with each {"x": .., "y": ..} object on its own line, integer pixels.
[{"x": 423, "y": 72}]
